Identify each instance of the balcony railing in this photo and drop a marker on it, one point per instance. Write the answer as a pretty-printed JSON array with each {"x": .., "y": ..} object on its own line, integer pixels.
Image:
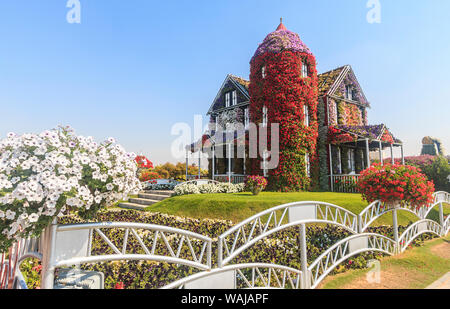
[
  {"x": 344, "y": 183},
  {"x": 235, "y": 178}
]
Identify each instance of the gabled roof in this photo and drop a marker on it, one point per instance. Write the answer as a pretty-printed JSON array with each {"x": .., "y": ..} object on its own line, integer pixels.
[
  {"x": 243, "y": 83},
  {"x": 329, "y": 82},
  {"x": 239, "y": 82}
]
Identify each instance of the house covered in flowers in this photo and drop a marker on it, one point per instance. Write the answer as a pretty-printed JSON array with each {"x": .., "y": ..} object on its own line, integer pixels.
[{"x": 324, "y": 134}]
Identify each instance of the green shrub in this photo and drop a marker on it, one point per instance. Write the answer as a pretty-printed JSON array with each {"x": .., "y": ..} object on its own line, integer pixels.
[{"x": 439, "y": 171}]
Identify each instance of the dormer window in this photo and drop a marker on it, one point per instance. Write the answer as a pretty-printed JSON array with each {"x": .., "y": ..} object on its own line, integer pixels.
[
  {"x": 227, "y": 99},
  {"x": 306, "y": 112},
  {"x": 349, "y": 92},
  {"x": 304, "y": 70},
  {"x": 263, "y": 72},
  {"x": 234, "y": 102}
]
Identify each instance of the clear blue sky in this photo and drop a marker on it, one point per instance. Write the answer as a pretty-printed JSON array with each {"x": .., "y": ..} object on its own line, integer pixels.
[{"x": 132, "y": 69}]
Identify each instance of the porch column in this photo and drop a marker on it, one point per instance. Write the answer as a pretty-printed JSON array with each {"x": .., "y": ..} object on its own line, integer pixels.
[
  {"x": 213, "y": 161},
  {"x": 229, "y": 163},
  {"x": 403, "y": 156},
  {"x": 381, "y": 153},
  {"x": 367, "y": 153},
  {"x": 244, "y": 161},
  {"x": 392, "y": 155},
  {"x": 187, "y": 164},
  {"x": 331, "y": 168},
  {"x": 199, "y": 163}
]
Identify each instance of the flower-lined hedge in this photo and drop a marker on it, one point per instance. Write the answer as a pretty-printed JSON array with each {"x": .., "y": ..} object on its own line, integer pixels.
[
  {"x": 392, "y": 184},
  {"x": 285, "y": 93},
  {"x": 281, "y": 248},
  {"x": 187, "y": 188}
]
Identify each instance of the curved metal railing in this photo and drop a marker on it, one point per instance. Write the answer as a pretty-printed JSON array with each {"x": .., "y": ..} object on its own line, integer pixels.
[
  {"x": 416, "y": 229},
  {"x": 345, "y": 249},
  {"x": 258, "y": 275},
  {"x": 375, "y": 210},
  {"x": 254, "y": 229}
]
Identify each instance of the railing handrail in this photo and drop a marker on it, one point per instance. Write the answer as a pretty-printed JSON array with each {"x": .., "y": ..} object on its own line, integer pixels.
[
  {"x": 280, "y": 207},
  {"x": 146, "y": 226}
]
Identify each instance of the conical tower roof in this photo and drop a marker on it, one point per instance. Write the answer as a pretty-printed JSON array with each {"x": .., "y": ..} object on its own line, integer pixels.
[{"x": 282, "y": 39}]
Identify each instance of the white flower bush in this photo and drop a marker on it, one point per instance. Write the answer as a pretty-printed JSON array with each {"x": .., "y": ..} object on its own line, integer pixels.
[
  {"x": 189, "y": 188},
  {"x": 44, "y": 176}
]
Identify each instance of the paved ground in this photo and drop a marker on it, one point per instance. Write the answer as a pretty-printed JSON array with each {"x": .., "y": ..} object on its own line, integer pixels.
[{"x": 442, "y": 283}]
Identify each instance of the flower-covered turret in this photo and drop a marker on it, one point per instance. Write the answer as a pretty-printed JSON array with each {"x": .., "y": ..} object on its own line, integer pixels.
[
  {"x": 280, "y": 40},
  {"x": 283, "y": 90}
]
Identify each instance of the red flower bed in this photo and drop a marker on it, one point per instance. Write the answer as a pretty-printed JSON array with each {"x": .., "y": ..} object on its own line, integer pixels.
[
  {"x": 392, "y": 184},
  {"x": 143, "y": 162},
  {"x": 147, "y": 175}
]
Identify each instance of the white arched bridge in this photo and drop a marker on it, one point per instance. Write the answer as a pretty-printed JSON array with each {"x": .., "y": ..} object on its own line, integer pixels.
[{"x": 69, "y": 245}]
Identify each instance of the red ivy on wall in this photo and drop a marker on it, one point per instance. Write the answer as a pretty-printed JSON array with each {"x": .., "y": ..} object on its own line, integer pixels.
[{"x": 285, "y": 92}]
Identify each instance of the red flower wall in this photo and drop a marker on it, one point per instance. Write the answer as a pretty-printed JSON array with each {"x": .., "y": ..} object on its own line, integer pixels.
[{"x": 285, "y": 92}]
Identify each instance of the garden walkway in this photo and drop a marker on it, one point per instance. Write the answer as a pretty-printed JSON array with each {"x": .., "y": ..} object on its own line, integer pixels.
[{"x": 442, "y": 283}]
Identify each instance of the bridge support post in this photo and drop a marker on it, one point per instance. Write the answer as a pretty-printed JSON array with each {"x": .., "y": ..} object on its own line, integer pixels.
[
  {"x": 48, "y": 240},
  {"x": 441, "y": 217},
  {"x": 220, "y": 253},
  {"x": 306, "y": 281},
  {"x": 395, "y": 227}
]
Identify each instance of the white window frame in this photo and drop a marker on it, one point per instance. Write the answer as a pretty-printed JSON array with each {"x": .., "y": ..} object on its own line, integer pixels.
[
  {"x": 246, "y": 118},
  {"x": 339, "y": 160},
  {"x": 308, "y": 165},
  {"x": 349, "y": 92},
  {"x": 234, "y": 97},
  {"x": 304, "y": 69},
  {"x": 227, "y": 99},
  {"x": 264, "y": 118},
  {"x": 351, "y": 160},
  {"x": 263, "y": 72},
  {"x": 306, "y": 112},
  {"x": 335, "y": 112}
]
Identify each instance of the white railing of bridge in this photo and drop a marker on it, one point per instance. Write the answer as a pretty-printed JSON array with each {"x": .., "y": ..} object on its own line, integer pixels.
[
  {"x": 247, "y": 233},
  {"x": 67, "y": 245},
  {"x": 248, "y": 276}
]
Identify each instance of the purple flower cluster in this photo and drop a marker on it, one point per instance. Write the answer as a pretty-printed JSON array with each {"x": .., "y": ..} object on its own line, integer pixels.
[
  {"x": 371, "y": 132},
  {"x": 281, "y": 40}
]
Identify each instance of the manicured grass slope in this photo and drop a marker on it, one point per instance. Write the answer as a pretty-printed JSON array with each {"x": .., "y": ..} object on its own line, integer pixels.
[
  {"x": 416, "y": 268},
  {"x": 240, "y": 206}
]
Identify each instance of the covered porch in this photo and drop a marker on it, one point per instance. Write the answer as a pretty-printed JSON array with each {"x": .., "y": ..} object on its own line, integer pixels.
[
  {"x": 351, "y": 149},
  {"x": 227, "y": 161}
]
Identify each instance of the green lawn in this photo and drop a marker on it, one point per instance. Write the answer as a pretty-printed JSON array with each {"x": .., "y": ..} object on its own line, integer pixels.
[
  {"x": 416, "y": 268},
  {"x": 238, "y": 207}
]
